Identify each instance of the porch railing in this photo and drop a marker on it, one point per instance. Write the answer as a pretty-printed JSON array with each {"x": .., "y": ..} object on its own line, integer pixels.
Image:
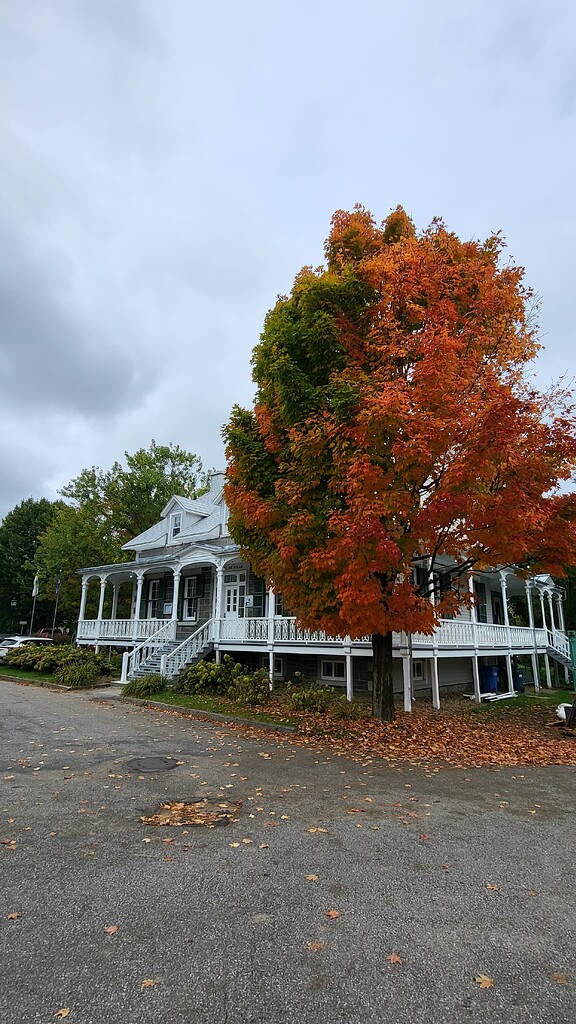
[
  {"x": 131, "y": 662},
  {"x": 118, "y": 629},
  {"x": 172, "y": 663},
  {"x": 450, "y": 634}
]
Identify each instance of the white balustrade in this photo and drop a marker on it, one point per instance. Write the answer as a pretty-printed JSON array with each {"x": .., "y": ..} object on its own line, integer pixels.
[
  {"x": 451, "y": 633},
  {"x": 151, "y": 644},
  {"x": 189, "y": 649}
]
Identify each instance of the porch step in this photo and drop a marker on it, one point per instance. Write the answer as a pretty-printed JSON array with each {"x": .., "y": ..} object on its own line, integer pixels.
[{"x": 152, "y": 664}]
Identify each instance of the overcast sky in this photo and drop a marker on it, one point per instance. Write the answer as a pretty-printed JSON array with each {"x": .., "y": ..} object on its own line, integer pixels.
[{"x": 167, "y": 167}]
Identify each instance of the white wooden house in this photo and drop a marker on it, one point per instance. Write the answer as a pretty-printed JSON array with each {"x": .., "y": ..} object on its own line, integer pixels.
[{"x": 192, "y": 594}]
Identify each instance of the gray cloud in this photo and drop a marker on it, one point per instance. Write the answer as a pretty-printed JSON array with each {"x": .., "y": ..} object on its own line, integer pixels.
[{"x": 167, "y": 168}]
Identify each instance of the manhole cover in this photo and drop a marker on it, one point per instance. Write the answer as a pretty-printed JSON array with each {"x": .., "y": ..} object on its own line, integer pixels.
[{"x": 151, "y": 764}]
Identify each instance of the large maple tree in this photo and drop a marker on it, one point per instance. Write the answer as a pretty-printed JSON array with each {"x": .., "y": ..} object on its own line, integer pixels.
[{"x": 397, "y": 441}]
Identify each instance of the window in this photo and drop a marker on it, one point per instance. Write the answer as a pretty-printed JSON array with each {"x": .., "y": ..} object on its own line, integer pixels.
[
  {"x": 335, "y": 671},
  {"x": 417, "y": 671},
  {"x": 190, "y": 599},
  {"x": 176, "y": 524},
  {"x": 481, "y": 609},
  {"x": 278, "y": 667}
]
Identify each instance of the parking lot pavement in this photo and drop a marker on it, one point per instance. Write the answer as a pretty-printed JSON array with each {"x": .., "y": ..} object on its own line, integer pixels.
[{"x": 291, "y": 912}]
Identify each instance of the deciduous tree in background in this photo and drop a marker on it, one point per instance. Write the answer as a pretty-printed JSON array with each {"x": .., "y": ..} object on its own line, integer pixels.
[
  {"x": 395, "y": 427},
  {"x": 108, "y": 508},
  {"x": 19, "y": 535}
]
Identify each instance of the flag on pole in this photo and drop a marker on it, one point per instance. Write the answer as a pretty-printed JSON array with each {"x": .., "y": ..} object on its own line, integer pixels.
[{"x": 36, "y": 586}]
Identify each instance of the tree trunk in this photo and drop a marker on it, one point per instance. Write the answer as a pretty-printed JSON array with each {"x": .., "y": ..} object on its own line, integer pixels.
[{"x": 382, "y": 677}]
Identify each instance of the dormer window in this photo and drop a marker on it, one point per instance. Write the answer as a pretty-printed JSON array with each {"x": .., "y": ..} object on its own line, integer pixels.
[{"x": 175, "y": 525}]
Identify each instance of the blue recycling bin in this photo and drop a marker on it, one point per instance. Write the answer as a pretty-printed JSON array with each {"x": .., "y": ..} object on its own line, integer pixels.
[{"x": 489, "y": 678}]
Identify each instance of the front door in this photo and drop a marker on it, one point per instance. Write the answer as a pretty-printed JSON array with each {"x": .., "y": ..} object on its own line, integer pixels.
[{"x": 234, "y": 592}]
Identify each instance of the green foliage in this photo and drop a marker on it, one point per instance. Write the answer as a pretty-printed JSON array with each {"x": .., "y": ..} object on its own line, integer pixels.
[
  {"x": 252, "y": 688},
  {"x": 311, "y": 696},
  {"x": 209, "y": 677},
  {"x": 145, "y": 687},
  {"x": 50, "y": 657},
  {"x": 81, "y": 668},
  {"x": 105, "y": 509},
  {"x": 19, "y": 536}
]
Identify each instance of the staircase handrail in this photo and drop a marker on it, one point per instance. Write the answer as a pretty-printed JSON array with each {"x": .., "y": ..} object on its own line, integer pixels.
[
  {"x": 181, "y": 655},
  {"x": 138, "y": 654}
]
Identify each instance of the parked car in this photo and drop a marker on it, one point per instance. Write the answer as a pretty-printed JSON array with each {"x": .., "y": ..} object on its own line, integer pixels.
[{"x": 10, "y": 642}]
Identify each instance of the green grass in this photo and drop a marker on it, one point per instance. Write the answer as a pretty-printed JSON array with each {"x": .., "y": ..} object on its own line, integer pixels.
[
  {"x": 217, "y": 705},
  {"x": 526, "y": 701},
  {"x": 40, "y": 678}
]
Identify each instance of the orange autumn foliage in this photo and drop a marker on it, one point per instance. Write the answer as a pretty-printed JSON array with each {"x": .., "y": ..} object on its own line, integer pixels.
[{"x": 395, "y": 425}]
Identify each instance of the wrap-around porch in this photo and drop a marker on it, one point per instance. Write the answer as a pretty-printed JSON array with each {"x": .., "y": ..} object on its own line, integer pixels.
[{"x": 181, "y": 612}]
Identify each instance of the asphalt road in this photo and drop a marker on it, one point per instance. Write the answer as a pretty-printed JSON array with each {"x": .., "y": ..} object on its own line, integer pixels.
[{"x": 459, "y": 873}]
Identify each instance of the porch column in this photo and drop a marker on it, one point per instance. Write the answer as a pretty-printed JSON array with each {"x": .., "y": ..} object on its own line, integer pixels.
[
  {"x": 474, "y": 621},
  {"x": 271, "y": 609},
  {"x": 551, "y": 609},
  {"x": 560, "y": 605},
  {"x": 137, "y": 603},
  {"x": 435, "y": 683},
  {"x": 406, "y": 666},
  {"x": 541, "y": 596},
  {"x": 548, "y": 675},
  {"x": 349, "y": 676},
  {"x": 528, "y": 586},
  {"x": 115, "y": 589},
  {"x": 82, "y": 612},
  {"x": 528, "y": 589},
  {"x": 504, "y": 591},
  {"x": 218, "y": 607},
  {"x": 175, "y": 595},
  {"x": 102, "y": 593},
  {"x": 536, "y": 671}
]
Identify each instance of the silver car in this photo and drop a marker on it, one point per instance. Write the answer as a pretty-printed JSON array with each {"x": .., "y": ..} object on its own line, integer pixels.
[{"x": 10, "y": 642}]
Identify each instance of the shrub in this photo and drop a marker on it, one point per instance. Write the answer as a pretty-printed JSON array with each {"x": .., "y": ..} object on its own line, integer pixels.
[
  {"x": 312, "y": 696},
  {"x": 209, "y": 677},
  {"x": 79, "y": 667},
  {"x": 345, "y": 709},
  {"x": 77, "y": 673},
  {"x": 252, "y": 688},
  {"x": 146, "y": 686}
]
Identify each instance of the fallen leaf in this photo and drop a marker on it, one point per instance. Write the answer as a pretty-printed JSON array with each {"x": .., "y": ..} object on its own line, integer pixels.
[
  {"x": 234, "y": 845},
  {"x": 332, "y": 914},
  {"x": 167, "y": 841},
  {"x": 484, "y": 981},
  {"x": 446, "y": 867},
  {"x": 316, "y": 947},
  {"x": 14, "y": 915},
  {"x": 111, "y": 929},
  {"x": 263, "y": 846},
  {"x": 356, "y": 810},
  {"x": 560, "y": 979},
  {"x": 317, "y": 829},
  {"x": 424, "y": 836},
  {"x": 247, "y": 842},
  {"x": 147, "y": 983},
  {"x": 311, "y": 878},
  {"x": 63, "y": 1012},
  {"x": 394, "y": 959}
]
